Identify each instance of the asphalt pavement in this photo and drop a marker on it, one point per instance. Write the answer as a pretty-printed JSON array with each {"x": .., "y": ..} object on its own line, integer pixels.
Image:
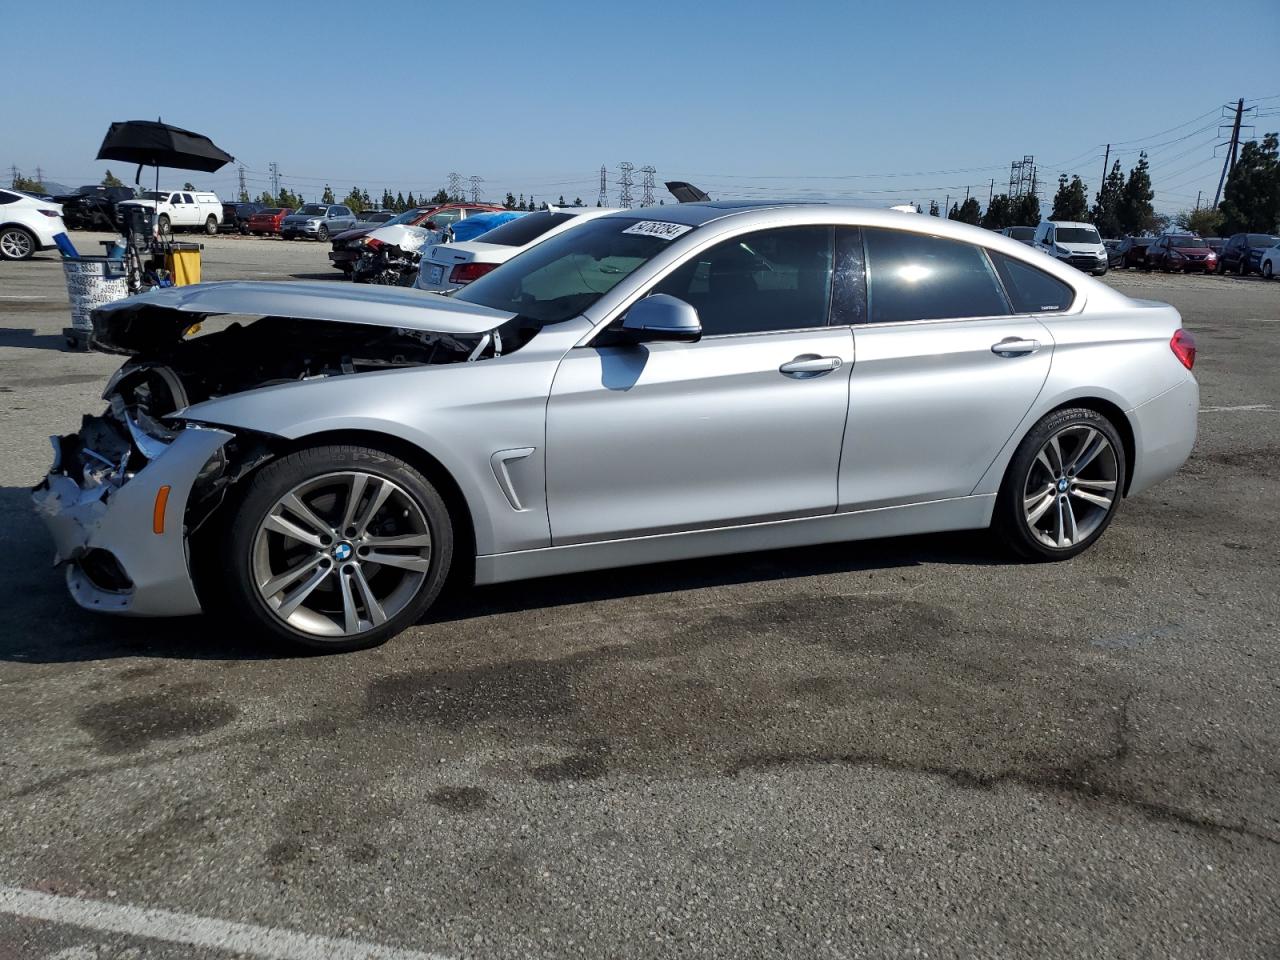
[{"x": 896, "y": 748}]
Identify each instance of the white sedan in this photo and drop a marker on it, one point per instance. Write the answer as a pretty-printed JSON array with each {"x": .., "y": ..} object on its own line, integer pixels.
[
  {"x": 27, "y": 224},
  {"x": 1270, "y": 265},
  {"x": 447, "y": 266}
]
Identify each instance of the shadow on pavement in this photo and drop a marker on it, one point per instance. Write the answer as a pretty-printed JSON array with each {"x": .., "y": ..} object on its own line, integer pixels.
[
  {"x": 27, "y": 338},
  {"x": 45, "y": 626}
]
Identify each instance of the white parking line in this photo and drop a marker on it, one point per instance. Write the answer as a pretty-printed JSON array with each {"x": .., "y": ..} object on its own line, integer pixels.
[
  {"x": 21, "y": 296},
  {"x": 270, "y": 943},
  {"x": 1264, "y": 407}
]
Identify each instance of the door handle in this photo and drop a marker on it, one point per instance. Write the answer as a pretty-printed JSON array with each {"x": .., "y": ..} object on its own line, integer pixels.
[
  {"x": 809, "y": 365},
  {"x": 1015, "y": 347}
]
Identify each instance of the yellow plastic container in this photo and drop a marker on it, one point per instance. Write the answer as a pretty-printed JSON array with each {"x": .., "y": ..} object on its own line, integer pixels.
[{"x": 183, "y": 265}]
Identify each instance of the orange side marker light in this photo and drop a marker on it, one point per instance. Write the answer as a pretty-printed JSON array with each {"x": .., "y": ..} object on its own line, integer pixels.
[{"x": 157, "y": 515}]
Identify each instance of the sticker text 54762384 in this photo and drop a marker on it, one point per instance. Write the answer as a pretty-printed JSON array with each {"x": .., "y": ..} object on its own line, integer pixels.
[{"x": 659, "y": 229}]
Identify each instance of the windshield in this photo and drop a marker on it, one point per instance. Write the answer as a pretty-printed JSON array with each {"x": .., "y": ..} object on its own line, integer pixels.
[
  {"x": 1262, "y": 240},
  {"x": 409, "y": 215},
  {"x": 313, "y": 209},
  {"x": 561, "y": 277},
  {"x": 1183, "y": 241},
  {"x": 522, "y": 230},
  {"x": 1022, "y": 233},
  {"x": 1077, "y": 235}
]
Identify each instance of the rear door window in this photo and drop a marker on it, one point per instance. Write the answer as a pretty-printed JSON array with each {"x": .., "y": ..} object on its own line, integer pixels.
[
  {"x": 1030, "y": 289},
  {"x": 913, "y": 276}
]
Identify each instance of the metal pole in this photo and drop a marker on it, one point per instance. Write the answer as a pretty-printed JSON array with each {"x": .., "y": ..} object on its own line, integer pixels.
[
  {"x": 1230, "y": 161},
  {"x": 1105, "y": 160}
]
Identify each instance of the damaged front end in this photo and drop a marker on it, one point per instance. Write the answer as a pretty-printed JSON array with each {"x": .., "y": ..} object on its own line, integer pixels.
[{"x": 127, "y": 491}]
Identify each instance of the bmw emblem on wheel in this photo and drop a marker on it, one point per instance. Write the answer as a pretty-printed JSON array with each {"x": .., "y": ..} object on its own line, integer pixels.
[{"x": 342, "y": 552}]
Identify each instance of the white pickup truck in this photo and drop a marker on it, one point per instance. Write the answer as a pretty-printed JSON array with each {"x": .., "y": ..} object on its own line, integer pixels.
[{"x": 178, "y": 210}]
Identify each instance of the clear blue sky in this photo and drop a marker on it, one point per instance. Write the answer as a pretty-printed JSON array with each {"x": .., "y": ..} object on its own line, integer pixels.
[{"x": 880, "y": 101}]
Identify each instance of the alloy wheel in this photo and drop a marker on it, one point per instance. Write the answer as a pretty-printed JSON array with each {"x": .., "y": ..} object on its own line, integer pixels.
[
  {"x": 1071, "y": 486},
  {"x": 16, "y": 244},
  {"x": 341, "y": 554}
]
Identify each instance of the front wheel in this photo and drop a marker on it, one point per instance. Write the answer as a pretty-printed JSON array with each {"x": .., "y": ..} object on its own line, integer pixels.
[
  {"x": 337, "y": 548},
  {"x": 1243, "y": 269},
  {"x": 1062, "y": 487},
  {"x": 323, "y": 233},
  {"x": 1267, "y": 270},
  {"x": 164, "y": 228}
]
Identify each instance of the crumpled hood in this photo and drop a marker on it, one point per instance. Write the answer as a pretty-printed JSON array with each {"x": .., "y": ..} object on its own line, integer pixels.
[
  {"x": 407, "y": 238},
  {"x": 162, "y": 316}
]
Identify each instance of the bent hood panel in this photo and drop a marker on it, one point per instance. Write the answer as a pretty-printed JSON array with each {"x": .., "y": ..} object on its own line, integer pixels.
[{"x": 161, "y": 317}]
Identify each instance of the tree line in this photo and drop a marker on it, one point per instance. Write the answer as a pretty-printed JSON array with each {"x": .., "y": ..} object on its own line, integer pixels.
[
  {"x": 1122, "y": 206},
  {"x": 359, "y": 200}
]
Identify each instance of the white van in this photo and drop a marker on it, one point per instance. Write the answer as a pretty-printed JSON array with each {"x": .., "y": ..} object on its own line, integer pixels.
[{"x": 1075, "y": 243}]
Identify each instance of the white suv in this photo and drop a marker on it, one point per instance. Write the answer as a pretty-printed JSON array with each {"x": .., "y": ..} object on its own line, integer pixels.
[
  {"x": 179, "y": 209},
  {"x": 27, "y": 224},
  {"x": 1075, "y": 243}
]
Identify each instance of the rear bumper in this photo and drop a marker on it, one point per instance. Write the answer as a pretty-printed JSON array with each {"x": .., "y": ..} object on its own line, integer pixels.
[
  {"x": 89, "y": 526},
  {"x": 1164, "y": 432}
]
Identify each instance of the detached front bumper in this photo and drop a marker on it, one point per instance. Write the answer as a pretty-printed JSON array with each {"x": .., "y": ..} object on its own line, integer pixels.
[{"x": 124, "y": 547}]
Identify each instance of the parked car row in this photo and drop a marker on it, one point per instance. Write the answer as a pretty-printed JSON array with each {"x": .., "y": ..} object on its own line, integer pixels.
[{"x": 1242, "y": 253}]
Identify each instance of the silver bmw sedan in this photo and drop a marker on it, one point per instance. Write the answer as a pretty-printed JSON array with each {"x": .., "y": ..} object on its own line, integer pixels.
[{"x": 709, "y": 378}]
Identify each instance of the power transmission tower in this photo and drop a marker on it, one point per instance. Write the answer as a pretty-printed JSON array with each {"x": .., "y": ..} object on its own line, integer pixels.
[
  {"x": 625, "y": 183},
  {"x": 602, "y": 201},
  {"x": 1022, "y": 177},
  {"x": 244, "y": 190},
  {"x": 275, "y": 178},
  {"x": 15, "y": 175},
  {"x": 647, "y": 185},
  {"x": 455, "y": 185},
  {"x": 40, "y": 175},
  {"x": 1232, "y": 146},
  {"x": 475, "y": 188}
]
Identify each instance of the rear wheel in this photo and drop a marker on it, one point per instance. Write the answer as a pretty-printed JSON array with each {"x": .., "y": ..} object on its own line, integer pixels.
[
  {"x": 164, "y": 228},
  {"x": 1062, "y": 487},
  {"x": 337, "y": 548},
  {"x": 211, "y": 226},
  {"x": 17, "y": 243}
]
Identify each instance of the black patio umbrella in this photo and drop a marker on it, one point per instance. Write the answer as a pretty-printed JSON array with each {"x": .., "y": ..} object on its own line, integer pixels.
[{"x": 150, "y": 143}]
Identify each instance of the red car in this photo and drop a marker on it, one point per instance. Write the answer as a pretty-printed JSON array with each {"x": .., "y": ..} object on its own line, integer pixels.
[
  {"x": 1182, "y": 252},
  {"x": 267, "y": 222},
  {"x": 346, "y": 245}
]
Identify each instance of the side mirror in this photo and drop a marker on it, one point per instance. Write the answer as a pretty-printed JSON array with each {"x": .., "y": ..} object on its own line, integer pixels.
[{"x": 661, "y": 318}]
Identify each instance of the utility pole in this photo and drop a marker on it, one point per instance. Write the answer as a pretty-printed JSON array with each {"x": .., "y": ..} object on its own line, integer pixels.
[
  {"x": 946, "y": 207},
  {"x": 991, "y": 192},
  {"x": 1198, "y": 192},
  {"x": 475, "y": 188},
  {"x": 624, "y": 184},
  {"x": 1105, "y": 160},
  {"x": 1229, "y": 163},
  {"x": 603, "y": 200}
]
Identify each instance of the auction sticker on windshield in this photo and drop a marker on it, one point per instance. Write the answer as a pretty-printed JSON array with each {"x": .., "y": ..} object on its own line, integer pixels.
[{"x": 656, "y": 228}]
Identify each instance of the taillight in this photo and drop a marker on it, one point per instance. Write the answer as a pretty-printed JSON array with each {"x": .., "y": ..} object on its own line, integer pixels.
[
  {"x": 1183, "y": 346},
  {"x": 466, "y": 272},
  {"x": 50, "y": 213}
]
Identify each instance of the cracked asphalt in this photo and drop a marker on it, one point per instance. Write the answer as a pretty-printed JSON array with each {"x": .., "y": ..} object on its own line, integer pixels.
[{"x": 895, "y": 748}]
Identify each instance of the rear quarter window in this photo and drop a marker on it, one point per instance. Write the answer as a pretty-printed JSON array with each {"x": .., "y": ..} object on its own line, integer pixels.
[
  {"x": 1030, "y": 289},
  {"x": 522, "y": 230}
]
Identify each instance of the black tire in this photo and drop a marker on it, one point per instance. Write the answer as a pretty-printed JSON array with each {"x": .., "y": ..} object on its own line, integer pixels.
[
  {"x": 280, "y": 477},
  {"x": 1243, "y": 269},
  {"x": 244, "y": 231},
  {"x": 17, "y": 243},
  {"x": 323, "y": 233},
  {"x": 1009, "y": 520},
  {"x": 1267, "y": 270},
  {"x": 211, "y": 226}
]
